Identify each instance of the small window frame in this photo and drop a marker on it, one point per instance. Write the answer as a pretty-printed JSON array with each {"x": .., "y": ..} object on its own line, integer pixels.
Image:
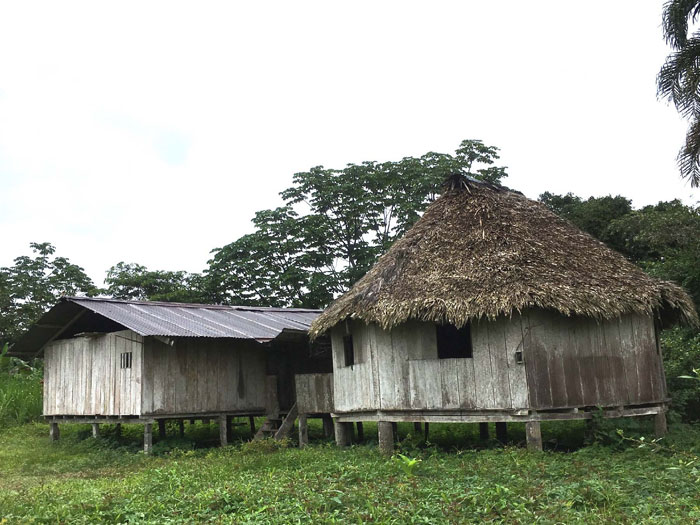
[
  {"x": 453, "y": 342},
  {"x": 126, "y": 360},
  {"x": 348, "y": 351}
]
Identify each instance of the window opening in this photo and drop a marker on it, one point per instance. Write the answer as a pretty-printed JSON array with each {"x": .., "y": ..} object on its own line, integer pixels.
[
  {"x": 348, "y": 350},
  {"x": 453, "y": 342},
  {"x": 126, "y": 359}
]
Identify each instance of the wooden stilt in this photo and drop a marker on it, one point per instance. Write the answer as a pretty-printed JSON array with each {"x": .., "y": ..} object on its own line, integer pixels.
[
  {"x": 327, "y": 426},
  {"x": 395, "y": 430},
  {"x": 229, "y": 425},
  {"x": 660, "y": 427},
  {"x": 303, "y": 431},
  {"x": 416, "y": 427},
  {"x": 360, "y": 431},
  {"x": 161, "y": 428},
  {"x": 385, "y": 430},
  {"x": 251, "y": 420},
  {"x": 54, "y": 433},
  {"x": 223, "y": 430},
  {"x": 181, "y": 427},
  {"x": 427, "y": 431},
  {"x": 118, "y": 430},
  {"x": 501, "y": 431},
  {"x": 343, "y": 434},
  {"x": 95, "y": 430},
  {"x": 533, "y": 435},
  {"x": 484, "y": 431},
  {"x": 147, "y": 438}
]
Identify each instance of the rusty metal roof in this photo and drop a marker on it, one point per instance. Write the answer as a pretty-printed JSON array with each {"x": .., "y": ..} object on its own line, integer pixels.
[{"x": 150, "y": 318}]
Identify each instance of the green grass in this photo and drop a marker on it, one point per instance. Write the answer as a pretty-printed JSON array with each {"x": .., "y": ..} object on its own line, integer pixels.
[{"x": 459, "y": 479}]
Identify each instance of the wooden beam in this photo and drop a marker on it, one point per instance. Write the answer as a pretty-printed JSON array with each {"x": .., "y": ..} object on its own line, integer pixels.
[
  {"x": 360, "y": 431},
  {"x": 386, "y": 437},
  {"x": 343, "y": 434},
  {"x": 502, "y": 431},
  {"x": 251, "y": 420},
  {"x": 147, "y": 438},
  {"x": 327, "y": 426},
  {"x": 660, "y": 427},
  {"x": 303, "y": 431},
  {"x": 65, "y": 327},
  {"x": 533, "y": 435},
  {"x": 95, "y": 430},
  {"x": 161, "y": 429},
  {"x": 54, "y": 433},
  {"x": 484, "y": 431},
  {"x": 223, "y": 428}
]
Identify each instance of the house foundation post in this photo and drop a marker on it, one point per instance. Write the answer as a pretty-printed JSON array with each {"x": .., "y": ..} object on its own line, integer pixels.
[
  {"x": 54, "y": 433},
  {"x": 161, "y": 428},
  {"x": 343, "y": 434},
  {"x": 118, "y": 430},
  {"x": 223, "y": 430},
  {"x": 502, "y": 432},
  {"x": 385, "y": 429},
  {"x": 533, "y": 435},
  {"x": 181, "y": 427},
  {"x": 95, "y": 430},
  {"x": 416, "y": 427},
  {"x": 303, "y": 431},
  {"x": 360, "y": 431},
  {"x": 484, "y": 431},
  {"x": 251, "y": 421},
  {"x": 426, "y": 431},
  {"x": 327, "y": 426},
  {"x": 147, "y": 438},
  {"x": 660, "y": 426},
  {"x": 229, "y": 425}
]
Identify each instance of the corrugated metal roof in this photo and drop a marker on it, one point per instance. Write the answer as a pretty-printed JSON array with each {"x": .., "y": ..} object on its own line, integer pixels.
[
  {"x": 150, "y": 318},
  {"x": 200, "y": 320}
]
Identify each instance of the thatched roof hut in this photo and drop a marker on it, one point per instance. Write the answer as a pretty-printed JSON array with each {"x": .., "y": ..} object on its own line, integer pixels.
[
  {"x": 493, "y": 308},
  {"x": 482, "y": 250}
]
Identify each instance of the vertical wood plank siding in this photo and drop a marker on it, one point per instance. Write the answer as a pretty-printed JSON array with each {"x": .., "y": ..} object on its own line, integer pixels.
[
  {"x": 314, "y": 393},
  {"x": 83, "y": 376},
  {"x": 569, "y": 362},
  {"x": 203, "y": 375},
  {"x": 575, "y": 361}
]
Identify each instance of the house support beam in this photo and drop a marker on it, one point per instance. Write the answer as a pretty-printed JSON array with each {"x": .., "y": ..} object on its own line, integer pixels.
[
  {"x": 223, "y": 430},
  {"x": 502, "y": 431},
  {"x": 303, "y": 431},
  {"x": 533, "y": 435},
  {"x": 54, "y": 433},
  {"x": 660, "y": 427},
  {"x": 484, "y": 431},
  {"x": 118, "y": 430},
  {"x": 161, "y": 428},
  {"x": 360, "y": 431},
  {"x": 327, "y": 426},
  {"x": 148, "y": 438},
  {"x": 343, "y": 434},
  {"x": 251, "y": 421},
  {"x": 95, "y": 430},
  {"x": 385, "y": 429}
]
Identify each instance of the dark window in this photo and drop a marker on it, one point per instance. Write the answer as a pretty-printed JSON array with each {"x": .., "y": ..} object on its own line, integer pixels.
[
  {"x": 454, "y": 342},
  {"x": 126, "y": 358},
  {"x": 348, "y": 350}
]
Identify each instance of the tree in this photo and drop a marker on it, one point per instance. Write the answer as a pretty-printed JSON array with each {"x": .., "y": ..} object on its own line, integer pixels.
[
  {"x": 135, "y": 282},
  {"x": 679, "y": 79},
  {"x": 592, "y": 215},
  {"x": 33, "y": 284},
  {"x": 334, "y": 225}
]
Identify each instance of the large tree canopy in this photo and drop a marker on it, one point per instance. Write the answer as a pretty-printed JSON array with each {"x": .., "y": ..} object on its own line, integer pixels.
[
  {"x": 33, "y": 284},
  {"x": 334, "y": 225},
  {"x": 679, "y": 79}
]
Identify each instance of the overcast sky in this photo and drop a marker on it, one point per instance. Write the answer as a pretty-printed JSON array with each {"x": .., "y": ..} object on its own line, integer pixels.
[{"x": 151, "y": 132}]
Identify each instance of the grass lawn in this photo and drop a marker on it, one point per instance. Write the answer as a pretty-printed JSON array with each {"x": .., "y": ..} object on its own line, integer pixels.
[{"x": 458, "y": 480}]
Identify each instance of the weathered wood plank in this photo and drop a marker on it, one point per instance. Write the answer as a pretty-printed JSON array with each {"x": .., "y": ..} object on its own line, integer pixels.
[
  {"x": 483, "y": 374},
  {"x": 517, "y": 377},
  {"x": 499, "y": 363}
]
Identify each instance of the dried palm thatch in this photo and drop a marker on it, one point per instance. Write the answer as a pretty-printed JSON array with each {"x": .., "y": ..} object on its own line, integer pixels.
[{"x": 483, "y": 251}]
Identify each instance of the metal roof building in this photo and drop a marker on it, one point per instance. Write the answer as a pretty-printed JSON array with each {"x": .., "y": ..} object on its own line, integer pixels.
[{"x": 151, "y": 318}]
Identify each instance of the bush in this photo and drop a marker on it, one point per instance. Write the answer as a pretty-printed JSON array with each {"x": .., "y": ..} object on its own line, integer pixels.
[
  {"x": 20, "y": 390},
  {"x": 681, "y": 349}
]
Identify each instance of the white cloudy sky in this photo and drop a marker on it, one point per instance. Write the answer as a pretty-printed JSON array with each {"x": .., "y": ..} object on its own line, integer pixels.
[{"x": 151, "y": 132}]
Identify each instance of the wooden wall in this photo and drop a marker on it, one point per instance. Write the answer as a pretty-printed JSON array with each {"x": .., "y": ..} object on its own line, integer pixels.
[
  {"x": 314, "y": 393},
  {"x": 82, "y": 376},
  {"x": 578, "y": 361},
  {"x": 568, "y": 363},
  {"x": 203, "y": 376}
]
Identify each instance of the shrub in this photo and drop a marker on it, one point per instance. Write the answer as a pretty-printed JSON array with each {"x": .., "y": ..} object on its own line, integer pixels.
[
  {"x": 20, "y": 390},
  {"x": 681, "y": 349}
]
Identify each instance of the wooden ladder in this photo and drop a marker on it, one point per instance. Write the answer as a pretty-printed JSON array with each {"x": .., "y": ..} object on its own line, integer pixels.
[{"x": 276, "y": 426}]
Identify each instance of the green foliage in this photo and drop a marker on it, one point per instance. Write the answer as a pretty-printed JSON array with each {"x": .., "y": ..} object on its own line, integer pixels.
[
  {"x": 407, "y": 465},
  {"x": 20, "y": 389},
  {"x": 135, "y": 282},
  {"x": 334, "y": 225},
  {"x": 85, "y": 480},
  {"x": 681, "y": 350},
  {"x": 679, "y": 79},
  {"x": 33, "y": 284}
]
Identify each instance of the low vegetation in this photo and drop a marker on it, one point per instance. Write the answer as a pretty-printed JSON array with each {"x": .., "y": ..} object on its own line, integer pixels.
[{"x": 456, "y": 478}]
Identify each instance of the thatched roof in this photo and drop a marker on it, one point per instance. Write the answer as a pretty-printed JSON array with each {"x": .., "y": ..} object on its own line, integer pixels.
[{"x": 482, "y": 250}]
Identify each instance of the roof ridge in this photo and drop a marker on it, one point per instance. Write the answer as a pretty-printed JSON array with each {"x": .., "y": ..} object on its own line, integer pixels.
[{"x": 206, "y": 306}]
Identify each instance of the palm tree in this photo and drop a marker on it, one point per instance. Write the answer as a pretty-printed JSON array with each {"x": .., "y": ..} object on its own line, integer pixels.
[{"x": 679, "y": 79}]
